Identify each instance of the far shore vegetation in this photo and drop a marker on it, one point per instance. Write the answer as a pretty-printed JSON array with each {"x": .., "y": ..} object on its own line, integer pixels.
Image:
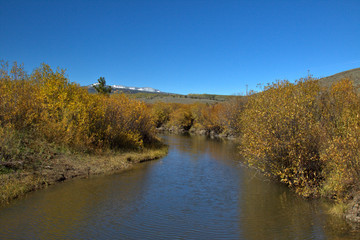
[{"x": 304, "y": 134}]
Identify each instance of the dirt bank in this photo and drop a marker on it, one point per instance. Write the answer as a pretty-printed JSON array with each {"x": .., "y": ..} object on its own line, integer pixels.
[{"x": 65, "y": 167}]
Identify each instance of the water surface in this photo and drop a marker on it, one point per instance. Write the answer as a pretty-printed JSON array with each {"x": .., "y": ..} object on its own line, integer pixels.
[{"x": 199, "y": 191}]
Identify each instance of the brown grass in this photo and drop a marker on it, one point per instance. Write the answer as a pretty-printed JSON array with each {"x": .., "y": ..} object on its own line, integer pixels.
[{"x": 65, "y": 167}]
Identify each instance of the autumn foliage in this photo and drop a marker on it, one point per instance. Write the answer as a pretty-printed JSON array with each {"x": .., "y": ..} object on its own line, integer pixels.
[
  {"x": 282, "y": 133},
  {"x": 342, "y": 153},
  {"x": 302, "y": 134},
  {"x": 219, "y": 118},
  {"x": 306, "y": 136},
  {"x": 45, "y": 107}
]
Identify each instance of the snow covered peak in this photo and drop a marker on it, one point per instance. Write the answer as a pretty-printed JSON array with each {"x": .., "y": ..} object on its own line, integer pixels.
[
  {"x": 140, "y": 89},
  {"x": 118, "y": 86},
  {"x": 148, "y": 89}
]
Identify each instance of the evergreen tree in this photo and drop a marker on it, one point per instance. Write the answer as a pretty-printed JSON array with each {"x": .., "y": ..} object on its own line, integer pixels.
[{"x": 101, "y": 87}]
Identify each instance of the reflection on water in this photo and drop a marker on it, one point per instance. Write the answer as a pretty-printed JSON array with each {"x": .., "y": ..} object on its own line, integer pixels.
[
  {"x": 271, "y": 210},
  {"x": 199, "y": 191}
]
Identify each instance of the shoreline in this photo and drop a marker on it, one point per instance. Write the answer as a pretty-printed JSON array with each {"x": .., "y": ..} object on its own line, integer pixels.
[
  {"x": 197, "y": 132},
  {"x": 350, "y": 209},
  {"x": 66, "y": 167}
]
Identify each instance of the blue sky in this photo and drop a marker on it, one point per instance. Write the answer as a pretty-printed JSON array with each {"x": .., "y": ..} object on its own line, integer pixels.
[{"x": 187, "y": 46}]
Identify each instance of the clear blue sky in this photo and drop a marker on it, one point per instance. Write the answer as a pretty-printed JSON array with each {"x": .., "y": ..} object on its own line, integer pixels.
[{"x": 186, "y": 46}]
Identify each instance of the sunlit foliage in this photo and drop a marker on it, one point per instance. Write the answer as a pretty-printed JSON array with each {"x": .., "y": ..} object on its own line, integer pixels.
[
  {"x": 182, "y": 117},
  {"x": 282, "y": 135},
  {"x": 307, "y": 137},
  {"x": 230, "y": 114},
  {"x": 342, "y": 154},
  {"x": 161, "y": 112},
  {"x": 196, "y": 116},
  {"x": 46, "y": 106}
]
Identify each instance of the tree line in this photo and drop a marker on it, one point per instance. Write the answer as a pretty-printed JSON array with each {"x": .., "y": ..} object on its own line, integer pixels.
[
  {"x": 305, "y": 135},
  {"x": 302, "y": 134}
]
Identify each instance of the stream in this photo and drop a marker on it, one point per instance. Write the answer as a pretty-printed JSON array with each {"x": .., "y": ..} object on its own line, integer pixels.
[{"x": 200, "y": 190}]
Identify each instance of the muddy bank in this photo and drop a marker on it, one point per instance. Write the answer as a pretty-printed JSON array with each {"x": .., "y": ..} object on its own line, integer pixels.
[{"x": 63, "y": 168}]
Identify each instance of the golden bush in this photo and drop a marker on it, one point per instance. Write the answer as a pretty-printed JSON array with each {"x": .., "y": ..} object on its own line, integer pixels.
[
  {"x": 281, "y": 134},
  {"x": 161, "y": 113},
  {"x": 342, "y": 154},
  {"x": 182, "y": 117},
  {"x": 47, "y": 105}
]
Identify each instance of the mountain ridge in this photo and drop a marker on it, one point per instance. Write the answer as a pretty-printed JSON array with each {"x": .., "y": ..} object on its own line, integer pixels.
[
  {"x": 149, "y": 94},
  {"x": 125, "y": 89}
]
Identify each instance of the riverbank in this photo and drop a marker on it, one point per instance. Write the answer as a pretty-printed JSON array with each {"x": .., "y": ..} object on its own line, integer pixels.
[
  {"x": 197, "y": 132},
  {"x": 66, "y": 167},
  {"x": 196, "y": 187},
  {"x": 348, "y": 209}
]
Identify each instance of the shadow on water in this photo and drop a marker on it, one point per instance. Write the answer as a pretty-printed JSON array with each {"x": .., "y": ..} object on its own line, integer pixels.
[{"x": 199, "y": 191}]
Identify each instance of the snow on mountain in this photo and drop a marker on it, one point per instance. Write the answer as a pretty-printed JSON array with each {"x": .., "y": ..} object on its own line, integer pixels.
[
  {"x": 148, "y": 89},
  {"x": 118, "y": 86},
  {"x": 140, "y": 89}
]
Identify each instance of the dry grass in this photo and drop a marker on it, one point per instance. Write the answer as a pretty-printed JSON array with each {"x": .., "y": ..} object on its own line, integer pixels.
[
  {"x": 353, "y": 74},
  {"x": 338, "y": 209}
]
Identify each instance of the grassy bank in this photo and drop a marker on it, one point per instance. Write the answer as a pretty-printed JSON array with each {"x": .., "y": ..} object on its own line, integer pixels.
[
  {"x": 15, "y": 184},
  {"x": 52, "y": 130}
]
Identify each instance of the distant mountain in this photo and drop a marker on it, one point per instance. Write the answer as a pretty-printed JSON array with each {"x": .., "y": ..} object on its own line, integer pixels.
[
  {"x": 353, "y": 75},
  {"x": 151, "y": 95},
  {"x": 124, "y": 89}
]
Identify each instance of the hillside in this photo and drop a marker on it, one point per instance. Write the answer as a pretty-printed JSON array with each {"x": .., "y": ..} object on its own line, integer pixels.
[
  {"x": 178, "y": 98},
  {"x": 124, "y": 89},
  {"x": 151, "y": 95},
  {"x": 353, "y": 74}
]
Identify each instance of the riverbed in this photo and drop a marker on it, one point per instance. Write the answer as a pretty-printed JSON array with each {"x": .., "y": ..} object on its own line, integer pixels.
[{"x": 200, "y": 190}]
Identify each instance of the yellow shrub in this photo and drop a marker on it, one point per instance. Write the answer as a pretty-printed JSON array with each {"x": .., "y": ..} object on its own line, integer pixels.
[
  {"x": 209, "y": 117},
  {"x": 342, "y": 155},
  {"x": 127, "y": 122},
  {"x": 230, "y": 114},
  {"x": 281, "y": 134},
  {"x": 161, "y": 112},
  {"x": 52, "y": 108},
  {"x": 182, "y": 117}
]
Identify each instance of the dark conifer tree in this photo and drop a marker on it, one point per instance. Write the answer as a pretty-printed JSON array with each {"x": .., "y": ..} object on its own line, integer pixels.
[{"x": 101, "y": 87}]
